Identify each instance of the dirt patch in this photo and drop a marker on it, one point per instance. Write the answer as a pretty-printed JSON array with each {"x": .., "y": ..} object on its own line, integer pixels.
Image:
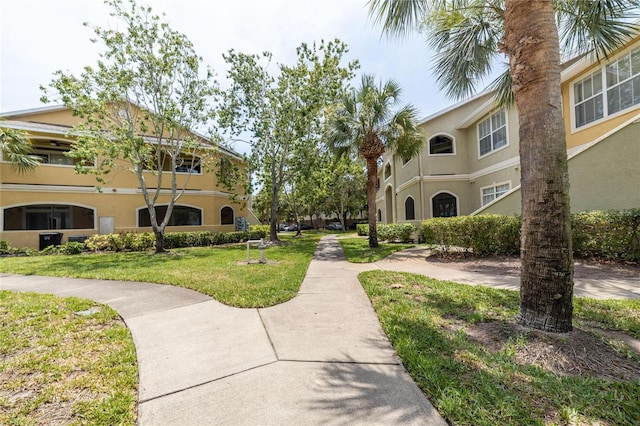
[
  {"x": 581, "y": 352},
  {"x": 507, "y": 265}
]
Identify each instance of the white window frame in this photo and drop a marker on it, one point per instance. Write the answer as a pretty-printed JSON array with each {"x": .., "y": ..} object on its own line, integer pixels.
[
  {"x": 630, "y": 53},
  {"x": 453, "y": 139},
  {"x": 493, "y": 131},
  {"x": 495, "y": 194}
]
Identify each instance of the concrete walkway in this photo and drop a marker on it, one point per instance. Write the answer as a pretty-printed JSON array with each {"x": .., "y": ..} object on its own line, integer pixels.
[
  {"x": 320, "y": 358},
  {"x": 414, "y": 260}
]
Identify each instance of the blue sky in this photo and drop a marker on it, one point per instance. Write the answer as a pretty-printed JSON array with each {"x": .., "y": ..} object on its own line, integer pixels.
[{"x": 39, "y": 37}]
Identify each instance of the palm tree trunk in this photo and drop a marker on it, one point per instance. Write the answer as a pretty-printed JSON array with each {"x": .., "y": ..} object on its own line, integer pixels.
[
  {"x": 546, "y": 289},
  {"x": 372, "y": 176}
]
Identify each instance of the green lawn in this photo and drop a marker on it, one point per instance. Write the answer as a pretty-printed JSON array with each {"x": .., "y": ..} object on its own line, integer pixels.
[
  {"x": 357, "y": 249},
  {"x": 426, "y": 321},
  {"x": 58, "y": 367},
  {"x": 220, "y": 272}
]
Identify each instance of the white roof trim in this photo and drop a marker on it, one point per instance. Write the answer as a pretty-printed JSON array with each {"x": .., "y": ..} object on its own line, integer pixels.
[
  {"x": 454, "y": 106},
  {"x": 480, "y": 112},
  {"x": 65, "y": 130},
  {"x": 37, "y": 110}
]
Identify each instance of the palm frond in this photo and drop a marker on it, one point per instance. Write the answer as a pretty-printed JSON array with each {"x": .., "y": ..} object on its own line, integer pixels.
[
  {"x": 398, "y": 17},
  {"x": 598, "y": 26},
  {"x": 502, "y": 86},
  {"x": 466, "y": 39},
  {"x": 16, "y": 148}
]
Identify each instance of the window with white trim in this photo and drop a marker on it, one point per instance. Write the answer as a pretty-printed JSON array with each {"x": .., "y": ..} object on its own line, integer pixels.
[
  {"x": 491, "y": 193},
  {"x": 441, "y": 144},
  {"x": 587, "y": 94},
  {"x": 617, "y": 88},
  {"x": 492, "y": 133}
]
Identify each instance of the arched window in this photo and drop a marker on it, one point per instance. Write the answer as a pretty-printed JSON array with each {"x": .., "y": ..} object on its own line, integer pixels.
[
  {"x": 409, "y": 209},
  {"x": 226, "y": 216},
  {"x": 379, "y": 215},
  {"x": 180, "y": 216},
  {"x": 444, "y": 205},
  {"x": 48, "y": 216},
  {"x": 387, "y": 171},
  {"x": 441, "y": 144}
]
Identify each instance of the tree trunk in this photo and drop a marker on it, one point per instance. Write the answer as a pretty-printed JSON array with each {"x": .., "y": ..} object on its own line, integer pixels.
[
  {"x": 372, "y": 176},
  {"x": 273, "y": 230},
  {"x": 546, "y": 283},
  {"x": 159, "y": 241}
]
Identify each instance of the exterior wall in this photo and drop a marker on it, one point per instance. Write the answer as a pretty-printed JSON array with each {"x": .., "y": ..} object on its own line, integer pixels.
[
  {"x": 509, "y": 175},
  {"x": 602, "y": 177},
  {"x": 119, "y": 198},
  {"x": 590, "y": 132},
  {"x": 607, "y": 175}
]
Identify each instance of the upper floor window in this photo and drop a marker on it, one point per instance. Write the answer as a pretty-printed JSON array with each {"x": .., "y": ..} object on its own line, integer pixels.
[
  {"x": 617, "y": 88},
  {"x": 387, "y": 171},
  {"x": 53, "y": 152},
  {"x": 441, "y": 144},
  {"x": 587, "y": 94},
  {"x": 491, "y": 193},
  {"x": 492, "y": 133}
]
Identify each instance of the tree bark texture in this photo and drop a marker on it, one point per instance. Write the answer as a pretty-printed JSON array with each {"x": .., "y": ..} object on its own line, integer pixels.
[
  {"x": 372, "y": 177},
  {"x": 546, "y": 283}
]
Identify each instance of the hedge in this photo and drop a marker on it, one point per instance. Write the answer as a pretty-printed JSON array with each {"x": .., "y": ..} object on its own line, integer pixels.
[
  {"x": 611, "y": 234},
  {"x": 483, "y": 234},
  {"x": 389, "y": 232},
  {"x": 146, "y": 240}
]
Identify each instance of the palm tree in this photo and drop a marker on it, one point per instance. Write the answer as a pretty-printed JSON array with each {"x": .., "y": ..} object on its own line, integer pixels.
[
  {"x": 16, "y": 148},
  {"x": 365, "y": 122},
  {"x": 468, "y": 35}
]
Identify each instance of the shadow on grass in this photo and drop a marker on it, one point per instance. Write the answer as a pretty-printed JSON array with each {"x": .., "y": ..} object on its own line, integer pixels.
[{"x": 425, "y": 321}]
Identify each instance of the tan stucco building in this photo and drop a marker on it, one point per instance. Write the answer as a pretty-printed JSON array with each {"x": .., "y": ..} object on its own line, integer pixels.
[
  {"x": 470, "y": 161},
  {"x": 56, "y": 199}
]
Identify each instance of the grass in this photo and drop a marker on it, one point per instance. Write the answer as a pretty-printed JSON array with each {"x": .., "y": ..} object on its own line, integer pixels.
[
  {"x": 64, "y": 368},
  {"x": 470, "y": 385},
  {"x": 220, "y": 272},
  {"x": 357, "y": 249}
]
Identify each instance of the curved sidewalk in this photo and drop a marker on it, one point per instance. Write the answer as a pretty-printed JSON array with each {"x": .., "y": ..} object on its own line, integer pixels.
[
  {"x": 320, "y": 358},
  {"x": 414, "y": 260}
]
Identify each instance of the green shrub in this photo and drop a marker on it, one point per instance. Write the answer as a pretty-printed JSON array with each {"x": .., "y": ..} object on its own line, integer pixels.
[
  {"x": 483, "y": 234},
  {"x": 612, "y": 234},
  {"x": 72, "y": 247},
  {"x": 260, "y": 228},
  {"x": 141, "y": 241},
  {"x": 4, "y": 247},
  {"x": 396, "y": 232}
]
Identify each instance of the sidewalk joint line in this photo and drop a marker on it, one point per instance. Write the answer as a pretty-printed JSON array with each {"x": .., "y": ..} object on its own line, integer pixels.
[
  {"x": 142, "y": 401},
  {"x": 264, "y": 326},
  {"x": 310, "y": 361}
]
